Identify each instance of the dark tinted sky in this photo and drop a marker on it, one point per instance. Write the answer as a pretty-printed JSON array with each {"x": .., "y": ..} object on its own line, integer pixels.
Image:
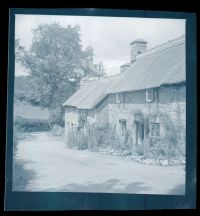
[{"x": 109, "y": 36}]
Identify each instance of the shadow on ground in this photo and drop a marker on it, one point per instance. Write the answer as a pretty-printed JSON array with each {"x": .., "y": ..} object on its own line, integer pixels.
[
  {"x": 110, "y": 186},
  {"x": 21, "y": 176},
  {"x": 179, "y": 190}
]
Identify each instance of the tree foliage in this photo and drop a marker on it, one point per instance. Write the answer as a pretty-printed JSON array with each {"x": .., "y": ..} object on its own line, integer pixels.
[{"x": 56, "y": 62}]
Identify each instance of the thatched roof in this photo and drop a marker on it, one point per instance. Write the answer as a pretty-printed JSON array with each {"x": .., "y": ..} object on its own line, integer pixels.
[
  {"x": 90, "y": 94},
  {"x": 164, "y": 64}
]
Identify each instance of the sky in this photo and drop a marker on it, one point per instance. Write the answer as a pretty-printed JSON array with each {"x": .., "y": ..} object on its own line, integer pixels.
[{"x": 109, "y": 36}]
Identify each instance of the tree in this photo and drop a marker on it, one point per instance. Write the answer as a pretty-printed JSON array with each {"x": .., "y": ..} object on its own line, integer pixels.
[
  {"x": 56, "y": 63},
  {"x": 99, "y": 70}
]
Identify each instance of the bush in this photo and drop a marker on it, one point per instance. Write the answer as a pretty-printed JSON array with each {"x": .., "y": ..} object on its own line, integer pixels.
[
  {"x": 157, "y": 149},
  {"x": 113, "y": 139},
  {"x": 127, "y": 141},
  {"x": 139, "y": 149},
  {"x": 166, "y": 147},
  {"x": 56, "y": 116},
  {"x": 77, "y": 139},
  {"x": 171, "y": 140},
  {"x": 171, "y": 145},
  {"x": 30, "y": 125},
  {"x": 94, "y": 137}
]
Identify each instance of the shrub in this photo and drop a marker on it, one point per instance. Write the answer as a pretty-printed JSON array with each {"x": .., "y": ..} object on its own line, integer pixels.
[
  {"x": 171, "y": 140},
  {"x": 157, "y": 149},
  {"x": 127, "y": 141},
  {"x": 99, "y": 136},
  {"x": 94, "y": 137},
  {"x": 30, "y": 125},
  {"x": 56, "y": 116},
  {"x": 169, "y": 146},
  {"x": 140, "y": 149},
  {"x": 113, "y": 139},
  {"x": 77, "y": 139}
]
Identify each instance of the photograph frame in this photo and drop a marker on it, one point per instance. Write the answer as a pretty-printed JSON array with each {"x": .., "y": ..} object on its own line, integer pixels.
[{"x": 34, "y": 201}]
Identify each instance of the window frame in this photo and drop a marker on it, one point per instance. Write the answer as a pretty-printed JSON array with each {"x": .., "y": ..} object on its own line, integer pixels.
[
  {"x": 156, "y": 132},
  {"x": 117, "y": 97},
  {"x": 153, "y": 95}
]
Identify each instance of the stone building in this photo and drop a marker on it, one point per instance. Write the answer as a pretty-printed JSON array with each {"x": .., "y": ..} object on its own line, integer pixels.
[{"x": 148, "y": 97}]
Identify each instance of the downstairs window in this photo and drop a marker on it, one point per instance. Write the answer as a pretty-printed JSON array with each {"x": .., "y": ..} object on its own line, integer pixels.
[{"x": 154, "y": 129}]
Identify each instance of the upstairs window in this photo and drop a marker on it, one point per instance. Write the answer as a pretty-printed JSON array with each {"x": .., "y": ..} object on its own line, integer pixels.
[
  {"x": 83, "y": 111},
  {"x": 119, "y": 97},
  {"x": 154, "y": 129},
  {"x": 68, "y": 109},
  {"x": 151, "y": 95}
]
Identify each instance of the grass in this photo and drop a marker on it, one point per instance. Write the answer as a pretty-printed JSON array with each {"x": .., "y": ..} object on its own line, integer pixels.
[{"x": 28, "y": 111}]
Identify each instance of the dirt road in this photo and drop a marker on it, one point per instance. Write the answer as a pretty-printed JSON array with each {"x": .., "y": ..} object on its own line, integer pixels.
[{"x": 53, "y": 167}]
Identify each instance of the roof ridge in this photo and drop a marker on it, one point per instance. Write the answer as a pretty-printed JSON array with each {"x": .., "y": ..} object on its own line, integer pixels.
[
  {"x": 162, "y": 46},
  {"x": 111, "y": 76},
  {"x": 99, "y": 80},
  {"x": 167, "y": 42}
]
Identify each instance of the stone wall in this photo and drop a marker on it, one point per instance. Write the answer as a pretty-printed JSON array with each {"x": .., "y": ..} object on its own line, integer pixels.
[
  {"x": 102, "y": 112},
  {"x": 71, "y": 118},
  {"x": 91, "y": 116},
  {"x": 171, "y": 101},
  {"x": 73, "y": 115}
]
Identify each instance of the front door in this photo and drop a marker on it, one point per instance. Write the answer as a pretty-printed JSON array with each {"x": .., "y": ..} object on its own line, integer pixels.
[{"x": 139, "y": 132}]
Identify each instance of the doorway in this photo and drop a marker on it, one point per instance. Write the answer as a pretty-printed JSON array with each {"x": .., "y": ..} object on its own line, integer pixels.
[{"x": 139, "y": 132}]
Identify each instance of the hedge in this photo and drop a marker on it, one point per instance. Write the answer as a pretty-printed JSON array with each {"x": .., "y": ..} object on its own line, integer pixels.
[{"x": 31, "y": 125}]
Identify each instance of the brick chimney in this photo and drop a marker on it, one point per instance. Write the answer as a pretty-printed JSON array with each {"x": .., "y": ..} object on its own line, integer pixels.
[{"x": 137, "y": 47}]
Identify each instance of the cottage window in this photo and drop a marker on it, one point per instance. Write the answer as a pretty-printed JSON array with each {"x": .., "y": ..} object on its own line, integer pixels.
[
  {"x": 85, "y": 112},
  {"x": 122, "y": 123},
  {"x": 151, "y": 94},
  {"x": 75, "y": 127},
  {"x": 119, "y": 97},
  {"x": 155, "y": 129}
]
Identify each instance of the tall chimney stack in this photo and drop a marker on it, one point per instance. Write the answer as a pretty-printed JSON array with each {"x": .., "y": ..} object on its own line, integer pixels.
[{"x": 137, "y": 47}]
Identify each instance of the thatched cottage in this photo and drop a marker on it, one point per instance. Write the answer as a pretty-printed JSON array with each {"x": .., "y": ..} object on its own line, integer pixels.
[{"x": 148, "y": 97}]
